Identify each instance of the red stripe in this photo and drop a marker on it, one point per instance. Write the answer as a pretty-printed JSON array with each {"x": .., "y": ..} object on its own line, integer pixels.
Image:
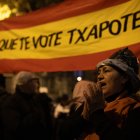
[
  {"x": 68, "y": 8},
  {"x": 83, "y": 62}
]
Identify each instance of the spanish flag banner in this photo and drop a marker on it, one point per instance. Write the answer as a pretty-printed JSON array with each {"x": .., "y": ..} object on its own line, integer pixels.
[{"x": 72, "y": 35}]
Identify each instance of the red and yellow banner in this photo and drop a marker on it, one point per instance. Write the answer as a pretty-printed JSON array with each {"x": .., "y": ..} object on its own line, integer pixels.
[{"x": 77, "y": 36}]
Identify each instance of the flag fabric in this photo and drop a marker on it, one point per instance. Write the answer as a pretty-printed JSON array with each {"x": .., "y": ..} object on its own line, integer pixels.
[{"x": 69, "y": 36}]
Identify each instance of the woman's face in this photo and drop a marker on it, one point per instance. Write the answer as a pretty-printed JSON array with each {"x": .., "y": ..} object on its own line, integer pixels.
[{"x": 110, "y": 80}]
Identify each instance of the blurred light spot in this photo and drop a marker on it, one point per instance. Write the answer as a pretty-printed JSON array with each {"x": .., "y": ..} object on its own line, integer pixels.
[
  {"x": 79, "y": 78},
  {"x": 5, "y": 12}
]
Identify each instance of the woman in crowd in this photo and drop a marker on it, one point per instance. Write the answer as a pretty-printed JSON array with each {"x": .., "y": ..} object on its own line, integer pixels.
[{"x": 117, "y": 117}]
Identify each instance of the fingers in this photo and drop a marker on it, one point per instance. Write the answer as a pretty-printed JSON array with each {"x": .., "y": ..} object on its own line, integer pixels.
[
  {"x": 88, "y": 98},
  {"x": 90, "y": 95},
  {"x": 99, "y": 87}
]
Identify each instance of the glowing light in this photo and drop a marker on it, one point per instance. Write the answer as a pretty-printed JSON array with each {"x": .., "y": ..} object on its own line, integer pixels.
[
  {"x": 43, "y": 90},
  {"x": 5, "y": 12},
  {"x": 79, "y": 78}
]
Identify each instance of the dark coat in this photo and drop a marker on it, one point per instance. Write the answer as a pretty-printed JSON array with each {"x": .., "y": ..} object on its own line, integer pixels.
[
  {"x": 24, "y": 118},
  {"x": 120, "y": 120}
]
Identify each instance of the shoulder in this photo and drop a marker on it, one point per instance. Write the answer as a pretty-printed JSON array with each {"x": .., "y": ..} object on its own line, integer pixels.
[
  {"x": 122, "y": 106},
  {"x": 13, "y": 101},
  {"x": 129, "y": 104}
]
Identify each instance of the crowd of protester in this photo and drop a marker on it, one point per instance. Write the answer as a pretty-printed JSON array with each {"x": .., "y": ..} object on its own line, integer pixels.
[{"x": 105, "y": 109}]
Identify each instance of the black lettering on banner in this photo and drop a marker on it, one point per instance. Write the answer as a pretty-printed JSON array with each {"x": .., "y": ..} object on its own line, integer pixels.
[
  {"x": 50, "y": 40},
  {"x": 136, "y": 20},
  {"x": 118, "y": 27},
  {"x": 22, "y": 43},
  {"x": 71, "y": 35},
  {"x": 13, "y": 43},
  {"x": 93, "y": 32},
  {"x": 103, "y": 26},
  {"x": 43, "y": 39},
  {"x": 114, "y": 27},
  {"x": 7, "y": 44},
  {"x": 50, "y": 37},
  {"x": 81, "y": 35},
  {"x": 126, "y": 17},
  {"x": 35, "y": 41},
  {"x": 57, "y": 39},
  {"x": 25, "y": 43},
  {"x": 3, "y": 44}
]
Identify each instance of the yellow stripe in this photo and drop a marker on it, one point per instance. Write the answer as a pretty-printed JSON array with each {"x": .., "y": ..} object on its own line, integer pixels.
[{"x": 61, "y": 33}]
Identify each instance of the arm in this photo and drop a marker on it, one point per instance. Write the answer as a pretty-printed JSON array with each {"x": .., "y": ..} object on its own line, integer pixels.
[
  {"x": 72, "y": 126},
  {"x": 107, "y": 130},
  {"x": 104, "y": 127}
]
